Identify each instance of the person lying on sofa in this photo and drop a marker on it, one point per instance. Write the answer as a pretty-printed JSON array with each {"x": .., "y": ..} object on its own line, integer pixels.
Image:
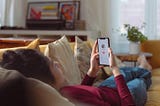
[{"x": 127, "y": 86}]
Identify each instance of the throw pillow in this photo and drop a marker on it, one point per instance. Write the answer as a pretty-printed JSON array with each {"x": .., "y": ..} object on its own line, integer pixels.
[
  {"x": 33, "y": 45},
  {"x": 42, "y": 48},
  {"x": 61, "y": 52},
  {"x": 82, "y": 53}
]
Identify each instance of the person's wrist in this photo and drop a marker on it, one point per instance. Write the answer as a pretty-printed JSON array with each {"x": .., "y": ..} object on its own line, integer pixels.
[
  {"x": 91, "y": 73},
  {"x": 114, "y": 67},
  {"x": 115, "y": 71}
]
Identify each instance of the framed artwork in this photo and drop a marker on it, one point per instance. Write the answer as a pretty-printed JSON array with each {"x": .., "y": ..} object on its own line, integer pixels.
[
  {"x": 69, "y": 11},
  {"x": 43, "y": 10}
]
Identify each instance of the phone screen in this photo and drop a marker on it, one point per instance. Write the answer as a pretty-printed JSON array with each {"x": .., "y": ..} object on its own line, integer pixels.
[{"x": 103, "y": 44}]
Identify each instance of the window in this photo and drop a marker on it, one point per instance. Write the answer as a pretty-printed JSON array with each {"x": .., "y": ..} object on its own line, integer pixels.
[
  {"x": 132, "y": 12},
  {"x": 158, "y": 18},
  {"x": 2, "y": 5},
  {"x": 137, "y": 12}
]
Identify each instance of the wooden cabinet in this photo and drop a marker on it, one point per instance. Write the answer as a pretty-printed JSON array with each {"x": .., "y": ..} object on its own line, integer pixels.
[{"x": 15, "y": 38}]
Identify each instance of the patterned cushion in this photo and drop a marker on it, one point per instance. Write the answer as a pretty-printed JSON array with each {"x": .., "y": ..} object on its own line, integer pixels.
[{"x": 82, "y": 53}]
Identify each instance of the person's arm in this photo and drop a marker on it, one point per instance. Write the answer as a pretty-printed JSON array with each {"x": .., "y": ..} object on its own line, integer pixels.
[
  {"x": 122, "y": 88},
  {"x": 88, "y": 80},
  {"x": 94, "y": 67}
]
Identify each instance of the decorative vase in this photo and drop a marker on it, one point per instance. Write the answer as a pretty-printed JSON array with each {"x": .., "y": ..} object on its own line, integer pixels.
[{"x": 134, "y": 47}]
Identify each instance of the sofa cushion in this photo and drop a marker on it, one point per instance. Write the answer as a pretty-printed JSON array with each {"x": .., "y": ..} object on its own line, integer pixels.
[
  {"x": 156, "y": 72},
  {"x": 33, "y": 45},
  {"x": 154, "y": 91},
  {"x": 155, "y": 84},
  {"x": 61, "y": 52},
  {"x": 42, "y": 48},
  {"x": 152, "y": 46},
  {"x": 82, "y": 53},
  {"x": 153, "y": 98}
]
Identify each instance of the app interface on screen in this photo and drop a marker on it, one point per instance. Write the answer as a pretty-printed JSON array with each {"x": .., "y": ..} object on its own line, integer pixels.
[{"x": 103, "y": 51}]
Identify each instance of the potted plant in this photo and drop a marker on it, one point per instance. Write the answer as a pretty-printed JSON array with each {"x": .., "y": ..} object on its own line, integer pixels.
[{"x": 135, "y": 36}]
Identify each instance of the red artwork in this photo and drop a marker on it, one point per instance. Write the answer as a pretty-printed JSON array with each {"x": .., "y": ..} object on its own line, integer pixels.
[
  {"x": 68, "y": 12},
  {"x": 35, "y": 14}
]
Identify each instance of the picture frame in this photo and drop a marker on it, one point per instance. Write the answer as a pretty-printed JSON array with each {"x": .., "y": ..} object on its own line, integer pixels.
[
  {"x": 70, "y": 11},
  {"x": 43, "y": 11}
]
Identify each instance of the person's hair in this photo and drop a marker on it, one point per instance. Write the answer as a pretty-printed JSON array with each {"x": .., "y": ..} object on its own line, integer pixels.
[{"x": 29, "y": 62}]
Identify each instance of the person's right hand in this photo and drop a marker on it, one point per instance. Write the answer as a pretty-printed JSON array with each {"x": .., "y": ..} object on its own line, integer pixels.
[
  {"x": 112, "y": 58},
  {"x": 113, "y": 64}
]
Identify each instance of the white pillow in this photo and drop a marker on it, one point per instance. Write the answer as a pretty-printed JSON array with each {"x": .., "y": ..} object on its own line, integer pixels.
[{"x": 61, "y": 52}]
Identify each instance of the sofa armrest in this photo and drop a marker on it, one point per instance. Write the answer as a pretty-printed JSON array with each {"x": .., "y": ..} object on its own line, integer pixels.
[{"x": 152, "y": 46}]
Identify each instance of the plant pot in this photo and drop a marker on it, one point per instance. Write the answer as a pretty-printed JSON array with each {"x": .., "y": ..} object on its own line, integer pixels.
[{"x": 134, "y": 47}]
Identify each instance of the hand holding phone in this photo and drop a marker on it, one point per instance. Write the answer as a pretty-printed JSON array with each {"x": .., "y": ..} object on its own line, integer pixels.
[{"x": 103, "y": 44}]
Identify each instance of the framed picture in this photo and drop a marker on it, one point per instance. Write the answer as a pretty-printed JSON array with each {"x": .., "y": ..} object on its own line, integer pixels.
[
  {"x": 43, "y": 10},
  {"x": 70, "y": 11}
]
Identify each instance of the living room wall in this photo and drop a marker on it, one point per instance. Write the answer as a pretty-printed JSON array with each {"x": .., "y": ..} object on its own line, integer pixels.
[{"x": 94, "y": 13}]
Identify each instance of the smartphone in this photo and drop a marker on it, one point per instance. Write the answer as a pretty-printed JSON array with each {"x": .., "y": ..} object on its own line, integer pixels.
[{"x": 103, "y": 44}]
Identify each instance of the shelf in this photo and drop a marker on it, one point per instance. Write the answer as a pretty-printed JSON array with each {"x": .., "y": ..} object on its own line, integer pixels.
[{"x": 44, "y": 32}]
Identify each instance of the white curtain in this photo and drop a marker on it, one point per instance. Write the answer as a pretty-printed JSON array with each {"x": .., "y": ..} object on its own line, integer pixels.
[
  {"x": 102, "y": 16},
  {"x": 94, "y": 13},
  {"x": 14, "y": 12},
  {"x": 2, "y": 3},
  {"x": 151, "y": 19}
]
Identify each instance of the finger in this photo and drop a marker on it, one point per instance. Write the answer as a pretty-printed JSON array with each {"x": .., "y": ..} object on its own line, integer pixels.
[
  {"x": 100, "y": 66},
  {"x": 94, "y": 50},
  {"x": 96, "y": 55},
  {"x": 109, "y": 50}
]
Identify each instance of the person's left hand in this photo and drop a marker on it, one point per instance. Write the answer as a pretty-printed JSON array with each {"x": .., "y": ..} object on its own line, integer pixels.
[{"x": 60, "y": 79}]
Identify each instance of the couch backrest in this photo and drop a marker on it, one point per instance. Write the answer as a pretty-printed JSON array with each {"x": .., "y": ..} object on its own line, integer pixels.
[
  {"x": 12, "y": 88},
  {"x": 152, "y": 46},
  {"x": 17, "y": 90}
]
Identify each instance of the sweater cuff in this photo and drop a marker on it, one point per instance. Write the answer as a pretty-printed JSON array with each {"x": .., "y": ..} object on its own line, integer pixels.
[
  {"x": 88, "y": 80},
  {"x": 119, "y": 77}
]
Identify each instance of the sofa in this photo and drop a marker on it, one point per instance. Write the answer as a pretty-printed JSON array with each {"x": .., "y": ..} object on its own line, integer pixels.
[
  {"x": 79, "y": 62},
  {"x": 17, "y": 90},
  {"x": 152, "y": 46}
]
